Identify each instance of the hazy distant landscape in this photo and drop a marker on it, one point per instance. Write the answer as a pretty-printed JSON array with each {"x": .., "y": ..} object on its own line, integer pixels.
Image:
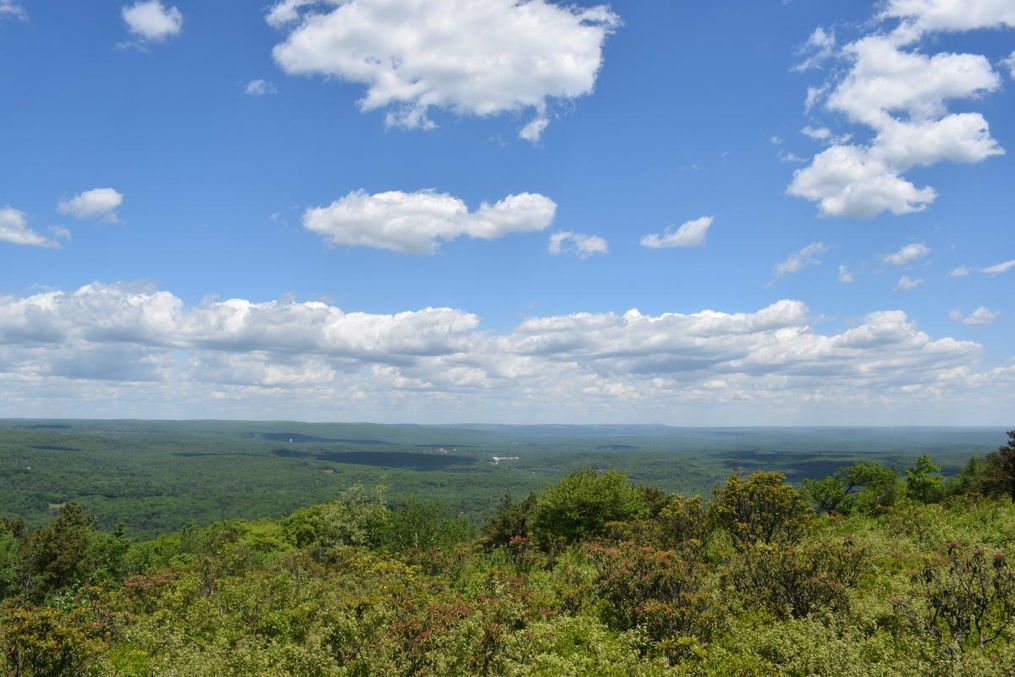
[{"x": 157, "y": 476}]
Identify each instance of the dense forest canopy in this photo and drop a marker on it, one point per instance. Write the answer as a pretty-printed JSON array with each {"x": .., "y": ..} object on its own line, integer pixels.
[{"x": 156, "y": 477}]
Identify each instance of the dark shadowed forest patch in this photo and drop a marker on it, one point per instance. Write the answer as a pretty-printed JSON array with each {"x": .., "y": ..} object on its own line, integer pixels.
[
  {"x": 794, "y": 465},
  {"x": 202, "y": 454},
  {"x": 383, "y": 459}
]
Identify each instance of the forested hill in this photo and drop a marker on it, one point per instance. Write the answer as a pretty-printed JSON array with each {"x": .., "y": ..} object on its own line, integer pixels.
[
  {"x": 154, "y": 477},
  {"x": 866, "y": 571}
]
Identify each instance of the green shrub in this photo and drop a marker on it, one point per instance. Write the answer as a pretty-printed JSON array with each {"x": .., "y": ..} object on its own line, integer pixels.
[{"x": 579, "y": 506}]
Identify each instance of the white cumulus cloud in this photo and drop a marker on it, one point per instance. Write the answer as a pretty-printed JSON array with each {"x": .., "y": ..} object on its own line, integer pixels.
[
  {"x": 578, "y": 244},
  {"x": 689, "y": 234},
  {"x": 925, "y": 16},
  {"x": 416, "y": 223},
  {"x": 885, "y": 79},
  {"x": 848, "y": 181},
  {"x": 999, "y": 268},
  {"x": 908, "y": 253},
  {"x": 14, "y": 229},
  {"x": 466, "y": 57},
  {"x": 845, "y": 275},
  {"x": 533, "y": 130},
  {"x": 99, "y": 204},
  {"x": 980, "y": 316},
  {"x": 808, "y": 256},
  {"x": 906, "y": 283},
  {"x": 901, "y": 95},
  {"x": 151, "y": 21}
]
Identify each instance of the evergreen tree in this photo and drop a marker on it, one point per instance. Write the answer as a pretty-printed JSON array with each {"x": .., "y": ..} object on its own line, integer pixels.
[{"x": 999, "y": 477}]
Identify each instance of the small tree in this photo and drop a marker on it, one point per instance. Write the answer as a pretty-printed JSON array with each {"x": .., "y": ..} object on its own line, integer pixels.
[
  {"x": 685, "y": 522},
  {"x": 510, "y": 521},
  {"x": 922, "y": 482},
  {"x": 829, "y": 494},
  {"x": 968, "y": 480},
  {"x": 579, "y": 506},
  {"x": 761, "y": 509},
  {"x": 355, "y": 517},
  {"x": 999, "y": 477},
  {"x": 57, "y": 555},
  {"x": 423, "y": 525},
  {"x": 863, "y": 487},
  {"x": 659, "y": 591}
]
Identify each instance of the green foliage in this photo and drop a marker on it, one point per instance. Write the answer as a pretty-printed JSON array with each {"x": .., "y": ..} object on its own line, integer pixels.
[
  {"x": 645, "y": 587},
  {"x": 354, "y": 518},
  {"x": 577, "y": 646},
  {"x": 999, "y": 475},
  {"x": 54, "y": 641},
  {"x": 9, "y": 583},
  {"x": 510, "y": 521},
  {"x": 665, "y": 595},
  {"x": 685, "y": 523},
  {"x": 580, "y": 505},
  {"x": 880, "y": 487},
  {"x": 923, "y": 484},
  {"x": 761, "y": 509},
  {"x": 791, "y": 581},
  {"x": 864, "y": 487},
  {"x": 968, "y": 480},
  {"x": 970, "y": 597},
  {"x": 107, "y": 556},
  {"x": 674, "y": 523},
  {"x": 655, "y": 499},
  {"x": 422, "y": 525},
  {"x": 56, "y": 556},
  {"x": 814, "y": 646}
]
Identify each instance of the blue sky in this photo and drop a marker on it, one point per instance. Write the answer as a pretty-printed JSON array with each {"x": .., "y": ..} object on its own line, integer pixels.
[{"x": 730, "y": 213}]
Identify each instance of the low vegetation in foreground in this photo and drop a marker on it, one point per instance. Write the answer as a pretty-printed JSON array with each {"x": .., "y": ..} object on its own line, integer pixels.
[{"x": 865, "y": 572}]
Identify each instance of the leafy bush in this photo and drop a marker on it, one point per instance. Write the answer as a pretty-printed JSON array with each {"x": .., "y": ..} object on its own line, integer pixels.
[
  {"x": 657, "y": 591},
  {"x": 54, "y": 641},
  {"x": 970, "y": 597},
  {"x": 792, "y": 581},
  {"x": 579, "y": 506},
  {"x": 422, "y": 525},
  {"x": 761, "y": 509},
  {"x": 509, "y": 521},
  {"x": 355, "y": 517},
  {"x": 864, "y": 487}
]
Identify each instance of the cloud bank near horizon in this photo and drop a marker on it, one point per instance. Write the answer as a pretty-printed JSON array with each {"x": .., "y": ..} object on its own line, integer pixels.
[{"x": 127, "y": 345}]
